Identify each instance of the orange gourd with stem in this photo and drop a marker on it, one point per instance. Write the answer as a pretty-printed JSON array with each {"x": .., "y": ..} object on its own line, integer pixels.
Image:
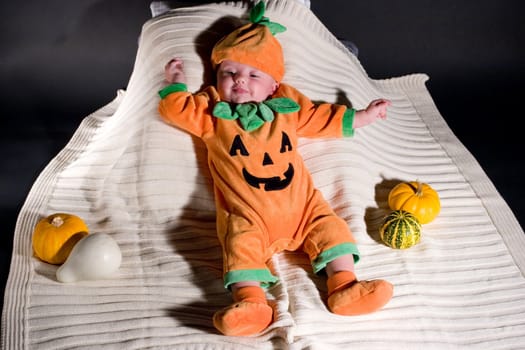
[
  {"x": 417, "y": 198},
  {"x": 54, "y": 236}
]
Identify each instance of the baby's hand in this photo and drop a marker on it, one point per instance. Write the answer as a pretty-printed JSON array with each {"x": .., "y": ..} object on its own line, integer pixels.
[
  {"x": 375, "y": 110},
  {"x": 174, "y": 71}
]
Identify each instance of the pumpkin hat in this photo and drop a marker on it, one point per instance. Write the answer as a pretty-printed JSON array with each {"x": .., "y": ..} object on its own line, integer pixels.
[{"x": 253, "y": 44}]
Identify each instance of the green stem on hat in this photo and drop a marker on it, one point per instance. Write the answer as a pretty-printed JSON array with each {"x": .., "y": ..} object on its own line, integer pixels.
[
  {"x": 257, "y": 12},
  {"x": 257, "y": 17}
]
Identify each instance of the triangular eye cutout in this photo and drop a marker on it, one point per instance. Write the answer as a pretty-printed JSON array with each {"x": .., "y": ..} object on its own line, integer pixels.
[
  {"x": 238, "y": 147},
  {"x": 286, "y": 145}
]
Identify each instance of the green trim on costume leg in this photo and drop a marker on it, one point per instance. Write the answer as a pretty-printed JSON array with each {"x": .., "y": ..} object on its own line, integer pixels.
[
  {"x": 176, "y": 87},
  {"x": 348, "y": 122},
  {"x": 262, "y": 275},
  {"x": 333, "y": 253}
]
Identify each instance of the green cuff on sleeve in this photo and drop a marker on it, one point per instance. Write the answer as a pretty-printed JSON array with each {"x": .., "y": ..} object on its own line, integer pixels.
[
  {"x": 176, "y": 87},
  {"x": 348, "y": 122}
]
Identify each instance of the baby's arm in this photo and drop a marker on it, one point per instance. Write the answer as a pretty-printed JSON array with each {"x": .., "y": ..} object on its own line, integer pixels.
[
  {"x": 174, "y": 71},
  {"x": 376, "y": 109}
]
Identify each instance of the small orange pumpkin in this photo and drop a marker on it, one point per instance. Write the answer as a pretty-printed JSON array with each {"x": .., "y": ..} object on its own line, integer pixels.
[
  {"x": 55, "y": 236},
  {"x": 416, "y": 197}
]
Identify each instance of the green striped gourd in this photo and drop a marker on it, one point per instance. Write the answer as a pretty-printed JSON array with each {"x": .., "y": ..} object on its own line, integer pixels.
[{"x": 400, "y": 230}]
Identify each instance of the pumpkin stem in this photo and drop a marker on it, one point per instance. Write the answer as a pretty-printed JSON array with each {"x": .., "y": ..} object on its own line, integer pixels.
[
  {"x": 419, "y": 189},
  {"x": 57, "y": 221}
]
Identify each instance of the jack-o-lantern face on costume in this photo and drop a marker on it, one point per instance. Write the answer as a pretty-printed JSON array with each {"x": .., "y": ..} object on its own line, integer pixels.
[{"x": 273, "y": 183}]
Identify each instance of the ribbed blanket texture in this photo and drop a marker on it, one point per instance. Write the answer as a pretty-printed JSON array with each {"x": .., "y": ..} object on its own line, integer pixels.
[{"x": 128, "y": 174}]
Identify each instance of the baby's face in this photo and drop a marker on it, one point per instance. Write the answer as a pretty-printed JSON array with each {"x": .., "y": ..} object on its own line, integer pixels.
[{"x": 240, "y": 83}]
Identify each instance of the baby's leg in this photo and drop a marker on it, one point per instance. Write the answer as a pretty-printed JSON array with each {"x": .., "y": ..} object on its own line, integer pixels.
[
  {"x": 248, "y": 315},
  {"x": 348, "y": 296},
  {"x": 342, "y": 263}
]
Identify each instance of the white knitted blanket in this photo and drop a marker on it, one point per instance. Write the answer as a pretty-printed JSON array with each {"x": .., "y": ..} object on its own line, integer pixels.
[{"x": 128, "y": 174}]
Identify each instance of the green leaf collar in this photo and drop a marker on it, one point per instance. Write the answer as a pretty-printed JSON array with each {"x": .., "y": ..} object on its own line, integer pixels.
[{"x": 253, "y": 115}]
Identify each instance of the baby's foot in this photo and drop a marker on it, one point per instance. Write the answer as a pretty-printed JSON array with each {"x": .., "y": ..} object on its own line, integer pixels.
[
  {"x": 243, "y": 318},
  {"x": 360, "y": 297},
  {"x": 250, "y": 314}
]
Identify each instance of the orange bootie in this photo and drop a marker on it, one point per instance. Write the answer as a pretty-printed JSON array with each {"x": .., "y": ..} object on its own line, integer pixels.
[
  {"x": 347, "y": 296},
  {"x": 250, "y": 314}
]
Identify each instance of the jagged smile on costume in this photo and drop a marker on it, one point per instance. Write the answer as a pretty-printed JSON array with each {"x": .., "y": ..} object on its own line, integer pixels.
[{"x": 270, "y": 183}]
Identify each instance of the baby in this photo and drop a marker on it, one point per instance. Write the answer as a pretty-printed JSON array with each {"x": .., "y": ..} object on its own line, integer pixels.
[{"x": 265, "y": 198}]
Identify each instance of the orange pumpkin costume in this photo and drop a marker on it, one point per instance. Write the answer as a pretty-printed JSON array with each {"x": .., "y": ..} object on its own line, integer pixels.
[
  {"x": 265, "y": 198},
  {"x": 266, "y": 201}
]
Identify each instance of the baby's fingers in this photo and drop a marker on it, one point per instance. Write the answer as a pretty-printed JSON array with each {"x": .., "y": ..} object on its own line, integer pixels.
[
  {"x": 382, "y": 101},
  {"x": 175, "y": 63}
]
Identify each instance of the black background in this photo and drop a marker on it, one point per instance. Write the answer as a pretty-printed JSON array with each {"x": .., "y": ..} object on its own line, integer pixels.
[{"x": 61, "y": 60}]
